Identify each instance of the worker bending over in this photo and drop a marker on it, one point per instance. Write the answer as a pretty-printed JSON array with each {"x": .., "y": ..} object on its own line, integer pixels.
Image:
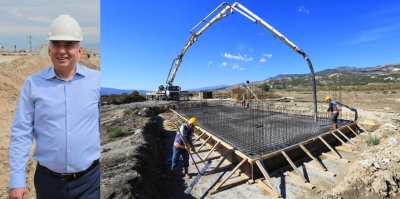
[
  {"x": 334, "y": 111},
  {"x": 182, "y": 147}
]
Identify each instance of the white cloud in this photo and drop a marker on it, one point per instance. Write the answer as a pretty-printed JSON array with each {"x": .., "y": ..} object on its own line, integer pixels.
[
  {"x": 375, "y": 34},
  {"x": 23, "y": 18},
  {"x": 237, "y": 57},
  {"x": 209, "y": 63},
  {"x": 223, "y": 64},
  {"x": 236, "y": 67},
  {"x": 267, "y": 55},
  {"x": 303, "y": 9},
  {"x": 262, "y": 60}
]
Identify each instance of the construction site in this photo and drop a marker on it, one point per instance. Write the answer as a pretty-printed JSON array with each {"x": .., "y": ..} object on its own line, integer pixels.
[
  {"x": 269, "y": 148},
  {"x": 247, "y": 144}
]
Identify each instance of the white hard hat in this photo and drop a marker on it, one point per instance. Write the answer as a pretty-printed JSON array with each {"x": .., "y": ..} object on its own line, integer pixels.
[{"x": 65, "y": 28}]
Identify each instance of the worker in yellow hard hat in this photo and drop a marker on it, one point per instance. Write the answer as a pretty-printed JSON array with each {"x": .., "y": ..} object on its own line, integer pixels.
[
  {"x": 182, "y": 144},
  {"x": 333, "y": 109}
]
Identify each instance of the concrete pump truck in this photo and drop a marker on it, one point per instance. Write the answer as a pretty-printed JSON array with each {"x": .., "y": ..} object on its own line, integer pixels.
[{"x": 173, "y": 92}]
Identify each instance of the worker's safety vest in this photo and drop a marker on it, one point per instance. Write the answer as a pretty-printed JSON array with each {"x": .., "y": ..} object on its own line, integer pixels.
[
  {"x": 178, "y": 141},
  {"x": 334, "y": 107}
]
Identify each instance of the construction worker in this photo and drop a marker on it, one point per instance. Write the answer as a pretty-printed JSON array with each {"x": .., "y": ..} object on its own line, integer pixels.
[
  {"x": 333, "y": 109},
  {"x": 59, "y": 108},
  {"x": 182, "y": 144}
]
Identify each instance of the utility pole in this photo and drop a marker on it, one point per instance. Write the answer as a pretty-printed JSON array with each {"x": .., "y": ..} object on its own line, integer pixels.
[{"x": 30, "y": 43}]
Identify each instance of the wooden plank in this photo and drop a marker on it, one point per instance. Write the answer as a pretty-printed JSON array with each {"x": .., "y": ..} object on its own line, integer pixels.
[
  {"x": 359, "y": 126},
  {"x": 199, "y": 137},
  {"x": 346, "y": 137},
  {"x": 337, "y": 137},
  {"x": 223, "y": 159},
  {"x": 334, "y": 157},
  {"x": 267, "y": 178},
  {"x": 229, "y": 185},
  {"x": 312, "y": 157},
  {"x": 294, "y": 166},
  {"x": 207, "y": 159},
  {"x": 216, "y": 170},
  {"x": 352, "y": 130},
  {"x": 315, "y": 168},
  {"x": 212, "y": 149},
  {"x": 230, "y": 174},
  {"x": 295, "y": 177},
  {"x": 345, "y": 149},
  {"x": 329, "y": 146},
  {"x": 267, "y": 188},
  {"x": 201, "y": 146}
]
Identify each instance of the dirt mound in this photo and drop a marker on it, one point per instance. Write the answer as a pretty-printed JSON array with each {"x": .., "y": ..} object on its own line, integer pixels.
[{"x": 121, "y": 99}]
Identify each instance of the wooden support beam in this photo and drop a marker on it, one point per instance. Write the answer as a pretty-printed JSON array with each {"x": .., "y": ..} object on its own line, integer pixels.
[
  {"x": 268, "y": 179},
  {"x": 241, "y": 179},
  {"x": 207, "y": 159},
  {"x": 294, "y": 167},
  {"x": 212, "y": 149},
  {"x": 223, "y": 159},
  {"x": 268, "y": 189},
  {"x": 359, "y": 126},
  {"x": 203, "y": 150},
  {"x": 216, "y": 170},
  {"x": 201, "y": 146},
  {"x": 329, "y": 146},
  {"x": 345, "y": 149},
  {"x": 228, "y": 176},
  {"x": 198, "y": 137},
  {"x": 352, "y": 130},
  {"x": 308, "y": 165},
  {"x": 346, "y": 137},
  {"x": 334, "y": 157},
  {"x": 312, "y": 157},
  {"x": 295, "y": 177},
  {"x": 337, "y": 137}
]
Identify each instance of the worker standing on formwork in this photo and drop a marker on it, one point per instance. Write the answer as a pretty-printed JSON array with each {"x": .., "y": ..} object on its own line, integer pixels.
[
  {"x": 182, "y": 144},
  {"x": 334, "y": 111}
]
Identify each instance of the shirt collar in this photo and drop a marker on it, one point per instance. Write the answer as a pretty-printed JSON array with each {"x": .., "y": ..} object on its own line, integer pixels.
[{"x": 51, "y": 74}]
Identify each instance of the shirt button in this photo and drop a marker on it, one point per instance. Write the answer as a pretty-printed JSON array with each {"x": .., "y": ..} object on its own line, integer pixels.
[
  {"x": 69, "y": 151},
  {"x": 69, "y": 133},
  {"x": 68, "y": 115},
  {"x": 67, "y": 98}
]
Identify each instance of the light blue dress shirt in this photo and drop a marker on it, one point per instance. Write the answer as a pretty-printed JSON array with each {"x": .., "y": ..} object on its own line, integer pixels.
[{"x": 64, "y": 119}]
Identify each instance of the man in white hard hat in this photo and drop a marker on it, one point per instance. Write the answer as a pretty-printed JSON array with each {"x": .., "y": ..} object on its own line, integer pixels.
[{"x": 59, "y": 108}]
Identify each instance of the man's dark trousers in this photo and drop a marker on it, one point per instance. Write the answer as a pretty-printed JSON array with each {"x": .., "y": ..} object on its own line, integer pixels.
[{"x": 84, "y": 187}]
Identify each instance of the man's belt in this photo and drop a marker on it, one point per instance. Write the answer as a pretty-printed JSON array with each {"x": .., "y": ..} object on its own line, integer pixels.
[{"x": 68, "y": 176}]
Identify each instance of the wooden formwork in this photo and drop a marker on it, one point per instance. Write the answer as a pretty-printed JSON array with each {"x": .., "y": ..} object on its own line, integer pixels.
[{"x": 259, "y": 169}]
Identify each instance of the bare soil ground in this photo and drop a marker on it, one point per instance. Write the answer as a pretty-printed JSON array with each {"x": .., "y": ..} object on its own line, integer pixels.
[{"x": 356, "y": 179}]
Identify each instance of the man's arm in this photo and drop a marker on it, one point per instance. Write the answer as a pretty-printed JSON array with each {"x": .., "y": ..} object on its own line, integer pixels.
[{"x": 21, "y": 138}]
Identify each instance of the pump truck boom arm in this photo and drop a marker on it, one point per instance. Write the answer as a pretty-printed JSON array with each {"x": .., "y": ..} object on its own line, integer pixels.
[{"x": 253, "y": 17}]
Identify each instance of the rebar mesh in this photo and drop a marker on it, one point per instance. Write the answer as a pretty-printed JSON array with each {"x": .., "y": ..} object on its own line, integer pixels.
[{"x": 261, "y": 128}]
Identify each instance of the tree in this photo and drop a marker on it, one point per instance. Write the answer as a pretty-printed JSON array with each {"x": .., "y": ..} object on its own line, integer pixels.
[
  {"x": 265, "y": 87},
  {"x": 135, "y": 92}
]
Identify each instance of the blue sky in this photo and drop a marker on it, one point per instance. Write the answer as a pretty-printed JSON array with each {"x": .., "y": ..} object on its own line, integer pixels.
[
  {"x": 140, "y": 39},
  {"x": 22, "y": 18}
]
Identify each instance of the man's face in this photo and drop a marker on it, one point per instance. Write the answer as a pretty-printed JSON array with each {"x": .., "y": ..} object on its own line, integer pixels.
[
  {"x": 64, "y": 54},
  {"x": 191, "y": 125}
]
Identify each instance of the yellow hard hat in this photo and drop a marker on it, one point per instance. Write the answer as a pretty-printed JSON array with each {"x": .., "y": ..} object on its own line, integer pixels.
[
  {"x": 327, "y": 98},
  {"x": 193, "y": 121}
]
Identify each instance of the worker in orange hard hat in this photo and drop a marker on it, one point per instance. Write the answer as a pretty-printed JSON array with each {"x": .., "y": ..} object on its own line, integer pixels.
[
  {"x": 182, "y": 144},
  {"x": 333, "y": 109}
]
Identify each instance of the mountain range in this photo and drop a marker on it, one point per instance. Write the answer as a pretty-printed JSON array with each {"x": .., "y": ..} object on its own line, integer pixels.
[{"x": 340, "y": 76}]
